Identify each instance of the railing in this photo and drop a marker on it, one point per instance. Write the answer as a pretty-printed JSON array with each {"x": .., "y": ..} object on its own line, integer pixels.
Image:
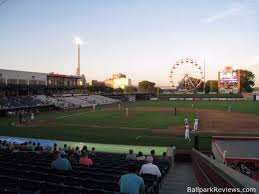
[{"x": 210, "y": 174}]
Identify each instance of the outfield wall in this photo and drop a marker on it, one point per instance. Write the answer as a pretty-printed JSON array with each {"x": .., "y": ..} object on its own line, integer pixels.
[{"x": 206, "y": 99}]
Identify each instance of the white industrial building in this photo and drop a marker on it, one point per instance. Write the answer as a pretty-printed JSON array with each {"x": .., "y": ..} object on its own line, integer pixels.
[{"x": 22, "y": 77}]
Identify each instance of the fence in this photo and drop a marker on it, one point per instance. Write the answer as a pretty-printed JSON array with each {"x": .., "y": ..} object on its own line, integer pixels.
[{"x": 212, "y": 174}]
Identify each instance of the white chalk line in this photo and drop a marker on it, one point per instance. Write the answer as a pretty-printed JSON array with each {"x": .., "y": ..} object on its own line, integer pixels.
[
  {"x": 61, "y": 117},
  {"x": 143, "y": 136}
]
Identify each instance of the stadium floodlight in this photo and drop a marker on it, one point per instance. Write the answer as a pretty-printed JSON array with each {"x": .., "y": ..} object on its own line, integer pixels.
[{"x": 78, "y": 41}]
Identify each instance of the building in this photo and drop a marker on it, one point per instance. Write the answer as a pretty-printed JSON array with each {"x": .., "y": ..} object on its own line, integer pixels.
[
  {"x": 95, "y": 83},
  {"x": 118, "y": 80},
  {"x": 13, "y": 77},
  {"x": 26, "y": 78},
  {"x": 61, "y": 80}
]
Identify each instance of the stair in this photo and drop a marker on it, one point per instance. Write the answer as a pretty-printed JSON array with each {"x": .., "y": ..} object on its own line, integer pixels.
[{"x": 179, "y": 178}]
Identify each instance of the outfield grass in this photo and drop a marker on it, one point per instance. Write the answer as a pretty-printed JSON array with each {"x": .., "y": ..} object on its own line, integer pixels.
[
  {"x": 135, "y": 119},
  {"x": 113, "y": 127},
  {"x": 237, "y": 106}
]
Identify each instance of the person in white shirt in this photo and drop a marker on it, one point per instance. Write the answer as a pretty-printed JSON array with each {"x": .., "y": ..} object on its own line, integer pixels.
[
  {"x": 150, "y": 168},
  {"x": 32, "y": 116},
  {"x": 187, "y": 132},
  {"x": 195, "y": 126},
  {"x": 141, "y": 157},
  {"x": 171, "y": 151}
]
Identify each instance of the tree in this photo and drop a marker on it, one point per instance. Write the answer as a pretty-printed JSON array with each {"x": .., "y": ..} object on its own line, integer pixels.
[
  {"x": 130, "y": 89},
  {"x": 247, "y": 80},
  {"x": 100, "y": 88},
  {"x": 211, "y": 86},
  {"x": 146, "y": 86},
  {"x": 118, "y": 91}
]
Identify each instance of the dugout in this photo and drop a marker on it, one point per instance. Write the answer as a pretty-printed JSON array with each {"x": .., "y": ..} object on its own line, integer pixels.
[{"x": 239, "y": 153}]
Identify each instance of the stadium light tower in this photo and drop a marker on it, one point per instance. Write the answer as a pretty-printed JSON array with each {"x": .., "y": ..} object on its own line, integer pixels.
[
  {"x": 78, "y": 42},
  {"x": 204, "y": 74}
]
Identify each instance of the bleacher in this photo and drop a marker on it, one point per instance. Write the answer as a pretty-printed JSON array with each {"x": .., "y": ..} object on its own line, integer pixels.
[
  {"x": 28, "y": 172},
  {"x": 76, "y": 101},
  {"x": 66, "y": 102},
  {"x": 7, "y": 102},
  {"x": 54, "y": 101},
  {"x": 97, "y": 99}
]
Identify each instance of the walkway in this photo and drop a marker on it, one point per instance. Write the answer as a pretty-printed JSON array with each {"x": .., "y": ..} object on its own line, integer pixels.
[{"x": 180, "y": 177}]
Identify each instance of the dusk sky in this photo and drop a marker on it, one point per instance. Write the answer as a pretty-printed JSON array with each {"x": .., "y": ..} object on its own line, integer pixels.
[{"x": 141, "y": 38}]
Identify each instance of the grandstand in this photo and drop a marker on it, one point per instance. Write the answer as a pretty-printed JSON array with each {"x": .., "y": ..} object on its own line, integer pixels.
[
  {"x": 19, "y": 102},
  {"x": 30, "y": 172},
  {"x": 27, "y": 171},
  {"x": 65, "y": 102}
]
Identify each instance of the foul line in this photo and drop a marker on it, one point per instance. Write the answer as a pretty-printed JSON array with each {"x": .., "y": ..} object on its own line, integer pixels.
[
  {"x": 138, "y": 137},
  {"x": 61, "y": 117}
]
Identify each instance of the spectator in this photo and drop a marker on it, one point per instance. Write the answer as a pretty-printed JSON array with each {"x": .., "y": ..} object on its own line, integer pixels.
[
  {"x": 70, "y": 158},
  {"x": 38, "y": 148},
  {"x": 84, "y": 149},
  {"x": 3, "y": 145},
  {"x": 150, "y": 168},
  {"x": 152, "y": 153},
  {"x": 10, "y": 147},
  {"x": 55, "y": 147},
  {"x": 64, "y": 149},
  {"x": 169, "y": 151},
  {"x": 60, "y": 163},
  {"x": 34, "y": 145},
  {"x": 77, "y": 151},
  {"x": 48, "y": 149},
  {"x": 130, "y": 156},
  {"x": 85, "y": 160},
  {"x": 141, "y": 157},
  {"x": 93, "y": 152},
  {"x": 131, "y": 183},
  {"x": 164, "y": 159},
  {"x": 30, "y": 146}
]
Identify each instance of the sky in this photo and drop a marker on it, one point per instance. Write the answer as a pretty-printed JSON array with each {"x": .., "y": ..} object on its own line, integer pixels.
[{"x": 140, "y": 38}]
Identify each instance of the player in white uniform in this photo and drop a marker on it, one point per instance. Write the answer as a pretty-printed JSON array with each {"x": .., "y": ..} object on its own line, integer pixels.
[
  {"x": 32, "y": 116},
  {"x": 195, "y": 126},
  {"x": 185, "y": 121},
  {"x": 187, "y": 132}
]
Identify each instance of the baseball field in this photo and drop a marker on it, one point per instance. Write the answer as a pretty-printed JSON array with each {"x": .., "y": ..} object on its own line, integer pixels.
[{"x": 147, "y": 123}]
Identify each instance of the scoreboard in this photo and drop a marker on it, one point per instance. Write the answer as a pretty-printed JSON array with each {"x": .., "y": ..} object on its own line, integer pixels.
[{"x": 228, "y": 81}]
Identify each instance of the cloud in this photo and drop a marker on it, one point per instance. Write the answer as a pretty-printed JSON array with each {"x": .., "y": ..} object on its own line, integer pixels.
[{"x": 234, "y": 10}]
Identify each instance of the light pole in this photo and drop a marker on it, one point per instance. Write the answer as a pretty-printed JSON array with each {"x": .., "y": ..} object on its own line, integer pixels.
[
  {"x": 78, "y": 42},
  {"x": 204, "y": 73}
]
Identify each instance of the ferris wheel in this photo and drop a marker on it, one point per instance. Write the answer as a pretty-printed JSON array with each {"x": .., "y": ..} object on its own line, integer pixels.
[{"x": 186, "y": 75}]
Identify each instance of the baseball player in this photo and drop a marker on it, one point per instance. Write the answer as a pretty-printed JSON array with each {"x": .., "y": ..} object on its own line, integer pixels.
[
  {"x": 32, "y": 116},
  {"x": 195, "y": 126},
  {"x": 185, "y": 120},
  {"x": 187, "y": 132}
]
